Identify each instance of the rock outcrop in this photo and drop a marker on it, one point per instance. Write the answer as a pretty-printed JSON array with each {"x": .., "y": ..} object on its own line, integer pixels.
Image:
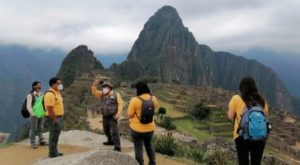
[
  {"x": 95, "y": 157},
  {"x": 4, "y": 138}
]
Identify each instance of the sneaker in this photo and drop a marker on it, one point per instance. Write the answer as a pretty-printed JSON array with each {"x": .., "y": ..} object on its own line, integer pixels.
[
  {"x": 34, "y": 146},
  {"x": 118, "y": 149},
  {"x": 108, "y": 143}
]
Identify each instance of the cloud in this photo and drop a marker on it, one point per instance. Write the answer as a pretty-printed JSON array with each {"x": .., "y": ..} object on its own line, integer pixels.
[{"x": 111, "y": 27}]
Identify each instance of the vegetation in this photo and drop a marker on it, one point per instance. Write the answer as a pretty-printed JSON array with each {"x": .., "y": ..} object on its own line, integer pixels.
[
  {"x": 218, "y": 156},
  {"x": 166, "y": 145},
  {"x": 164, "y": 120},
  {"x": 200, "y": 111},
  {"x": 189, "y": 126}
]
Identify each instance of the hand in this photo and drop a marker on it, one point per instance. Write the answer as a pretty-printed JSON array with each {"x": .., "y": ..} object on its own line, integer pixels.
[
  {"x": 117, "y": 116},
  {"x": 96, "y": 82},
  {"x": 53, "y": 119}
]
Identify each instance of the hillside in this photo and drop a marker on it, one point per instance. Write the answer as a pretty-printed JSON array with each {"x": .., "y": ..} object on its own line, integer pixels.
[
  {"x": 19, "y": 67},
  {"x": 168, "y": 52},
  {"x": 285, "y": 65}
]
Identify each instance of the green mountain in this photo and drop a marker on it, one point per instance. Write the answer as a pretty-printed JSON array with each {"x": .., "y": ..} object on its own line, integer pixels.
[
  {"x": 167, "y": 51},
  {"x": 80, "y": 60}
]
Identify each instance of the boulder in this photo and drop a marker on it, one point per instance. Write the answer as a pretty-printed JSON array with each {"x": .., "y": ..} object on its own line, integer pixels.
[
  {"x": 95, "y": 157},
  {"x": 4, "y": 137}
]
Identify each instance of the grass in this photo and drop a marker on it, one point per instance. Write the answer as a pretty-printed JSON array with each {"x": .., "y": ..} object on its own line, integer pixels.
[
  {"x": 6, "y": 145},
  {"x": 171, "y": 110},
  {"x": 189, "y": 126}
]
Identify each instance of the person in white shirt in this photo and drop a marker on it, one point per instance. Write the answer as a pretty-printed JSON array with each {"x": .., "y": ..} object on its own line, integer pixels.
[{"x": 36, "y": 124}]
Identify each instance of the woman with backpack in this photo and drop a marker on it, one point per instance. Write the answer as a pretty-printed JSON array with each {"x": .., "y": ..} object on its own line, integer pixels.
[
  {"x": 140, "y": 111},
  {"x": 249, "y": 104},
  {"x": 36, "y": 124}
]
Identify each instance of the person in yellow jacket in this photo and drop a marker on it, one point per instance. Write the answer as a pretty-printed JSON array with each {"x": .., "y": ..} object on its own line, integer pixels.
[
  {"x": 54, "y": 114},
  {"x": 249, "y": 96},
  {"x": 142, "y": 133},
  {"x": 111, "y": 109}
]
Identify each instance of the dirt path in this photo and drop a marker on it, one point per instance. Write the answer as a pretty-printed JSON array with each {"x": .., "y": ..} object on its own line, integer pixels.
[{"x": 20, "y": 154}]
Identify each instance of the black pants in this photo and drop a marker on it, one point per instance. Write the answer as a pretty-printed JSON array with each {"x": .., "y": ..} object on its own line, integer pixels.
[
  {"x": 111, "y": 130},
  {"x": 246, "y": 148},
  {"x": 54, "y": 132},
  {"x": 140, "y": 139}
]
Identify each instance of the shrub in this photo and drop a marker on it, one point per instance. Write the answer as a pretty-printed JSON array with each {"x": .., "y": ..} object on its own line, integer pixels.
[
  {"x": 165, "y": 122},
  {"x": 200, "y": 111},
  {"x": 166, "y": 145},
  {"x": 196, "y": 154},
  {"x": 217, "y": 156},
  {"x": 162, "y": 111}
]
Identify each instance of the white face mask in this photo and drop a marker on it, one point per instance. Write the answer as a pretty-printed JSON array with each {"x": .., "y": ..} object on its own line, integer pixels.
[
  {"x": 60, "y": 87},
  {"x": 105, "y": 90}
]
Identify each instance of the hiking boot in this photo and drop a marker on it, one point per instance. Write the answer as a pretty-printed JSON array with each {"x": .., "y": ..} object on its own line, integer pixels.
[
  {"x": 57, "y": 155},
  {"x": 34, "y": 146},
  {"x": 108, "y": 143},
  {"x": 118, "y": 149},
  {"x": 43, "y": 143}
]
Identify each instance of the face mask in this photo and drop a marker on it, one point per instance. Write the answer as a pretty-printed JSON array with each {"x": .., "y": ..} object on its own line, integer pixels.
[
  {"x": 60, "y": 87},
  {"x": 105, "y": 90}
]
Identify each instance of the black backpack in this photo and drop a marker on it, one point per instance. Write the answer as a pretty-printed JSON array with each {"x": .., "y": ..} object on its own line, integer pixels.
[
  {"x": 147, "y": 110},
  {"x": 24, "y": 111}
]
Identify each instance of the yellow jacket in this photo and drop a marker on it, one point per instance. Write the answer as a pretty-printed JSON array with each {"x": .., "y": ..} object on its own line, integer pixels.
[{"x": 135, "y": 110}]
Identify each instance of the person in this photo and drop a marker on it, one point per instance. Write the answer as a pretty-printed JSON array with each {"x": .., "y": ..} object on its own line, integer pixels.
[
  {"x": 249, "y": 96},
  {"x": 54, "y": 114},
  {"x": 36, "y": 124},
  {"x": 142, "y": 133},
  {"x": 111, "y": 109}
]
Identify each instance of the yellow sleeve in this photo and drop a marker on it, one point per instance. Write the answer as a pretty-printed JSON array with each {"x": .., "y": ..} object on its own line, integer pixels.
[
  {"x": 131, "y": 108},
  {"x": 120, "y": 103},
  {"x": 95, "y": 91},
  {"x": 49, "y": 99},
  {"x": 232, "y": 104},
  {"x": 155, "y": 102}
]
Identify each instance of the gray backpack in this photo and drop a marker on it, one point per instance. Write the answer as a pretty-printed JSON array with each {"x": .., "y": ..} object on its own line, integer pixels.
[{"x": 148, "y": 108}]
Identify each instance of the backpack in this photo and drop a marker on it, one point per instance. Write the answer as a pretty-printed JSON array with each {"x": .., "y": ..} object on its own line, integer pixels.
[
  {"x": 253, "y": 125},
  {"x": 147, "y": 110},
  {"x": 39, "y": 107},
  {"x": 24, "y": 111}
]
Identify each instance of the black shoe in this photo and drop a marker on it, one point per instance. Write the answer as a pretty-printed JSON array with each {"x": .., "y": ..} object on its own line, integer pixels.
[
  {"x": 118, "y": 149},
  {"x": 57, "y": 155},
  {"x": 108, "y": 143},
  {"x": 43, "y": 143},
  {"x": 60, "y": 154}
]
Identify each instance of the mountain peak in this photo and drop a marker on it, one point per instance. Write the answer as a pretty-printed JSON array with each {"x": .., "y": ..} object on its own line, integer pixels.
[
  {"x": 167, "y": 15},
  {"x": 80, "y": 60}
]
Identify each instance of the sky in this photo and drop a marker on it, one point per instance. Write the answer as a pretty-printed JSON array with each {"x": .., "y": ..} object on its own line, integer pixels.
[{"x": 110, "y": 27}]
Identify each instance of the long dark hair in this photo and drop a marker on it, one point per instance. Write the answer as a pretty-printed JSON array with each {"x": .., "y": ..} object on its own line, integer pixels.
[
  {"x": 35, "y": 83},
  {"x": 142, "y": 88},
  {"x": 249, "y": 92}
]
